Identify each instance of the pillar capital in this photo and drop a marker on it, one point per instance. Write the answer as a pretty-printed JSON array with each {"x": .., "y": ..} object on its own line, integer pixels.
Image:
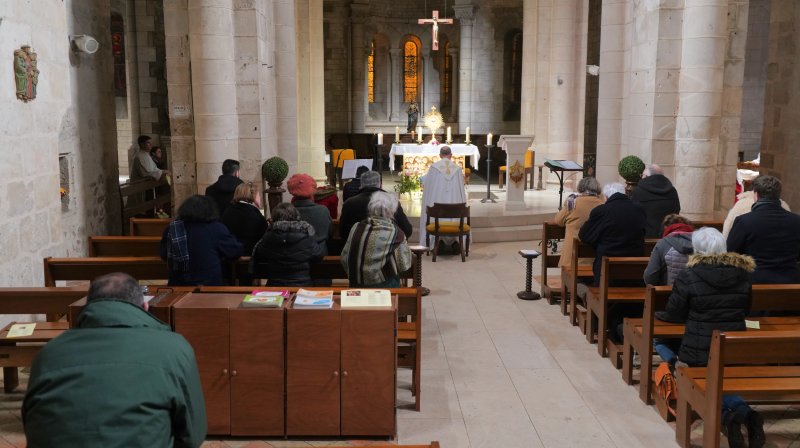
[{"x": 465, "y": 13}]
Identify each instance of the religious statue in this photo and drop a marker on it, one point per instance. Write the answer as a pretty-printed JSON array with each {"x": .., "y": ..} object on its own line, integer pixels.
[
  {"x": 26, "y": 73},
  {"x": 413, "y": 116}
]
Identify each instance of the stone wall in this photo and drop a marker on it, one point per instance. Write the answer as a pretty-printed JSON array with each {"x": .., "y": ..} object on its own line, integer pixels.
[
  {"x": 779, "y": 155},
  {"x": 755, "y": 78},
  {"x": 72, "y": 118}
]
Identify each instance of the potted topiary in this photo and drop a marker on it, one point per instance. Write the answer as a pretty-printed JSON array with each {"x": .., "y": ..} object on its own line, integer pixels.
[
  {"x": 274, "y": 171},
  {"x": 631, "y": 169}
]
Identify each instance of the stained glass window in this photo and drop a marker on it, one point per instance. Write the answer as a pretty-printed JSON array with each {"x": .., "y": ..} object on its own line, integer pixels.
[
  {"x": 410, "y": 72},
  {"x": 371, "y": 74}
]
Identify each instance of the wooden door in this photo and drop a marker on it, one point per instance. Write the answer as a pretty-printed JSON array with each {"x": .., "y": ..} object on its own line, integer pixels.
[
  {"x": 369, "y": 356},
  {"x": 312, "y": 372},
  {"x": 257, "y": 372},
  {"x": 208, "y": 331}
]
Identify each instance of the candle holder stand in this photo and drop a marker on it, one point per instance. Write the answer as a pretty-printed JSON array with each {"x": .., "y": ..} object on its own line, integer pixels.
[
  {"x": 488, "y": 197},
  {"x": 378, "y": 163}
]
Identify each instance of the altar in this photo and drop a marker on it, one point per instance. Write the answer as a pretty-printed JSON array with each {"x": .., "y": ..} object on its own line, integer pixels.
[{"x": 427, "y": 152}]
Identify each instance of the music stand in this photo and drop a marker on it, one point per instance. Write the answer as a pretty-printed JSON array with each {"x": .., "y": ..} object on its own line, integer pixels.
[
  {"x": 350, "y": 167},
  {"x": 559, "y": 167}
]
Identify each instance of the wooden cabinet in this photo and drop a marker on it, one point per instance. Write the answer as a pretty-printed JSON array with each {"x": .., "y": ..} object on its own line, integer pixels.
[
  {"x": 240, "y": 356},
  {"x": 341, "y": 372}
]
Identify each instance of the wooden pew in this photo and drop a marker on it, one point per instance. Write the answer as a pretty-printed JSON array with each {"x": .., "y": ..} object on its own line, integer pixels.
[
  {"x": 140, "y": 268},
  {"x": 330, "y": 267},
  {"x": 640, "y": 333},
  {"x": 572, "y": 274},
  {"x": 753, "y": 364},
  {"x": 148, "y": 227},
  {"x": 551, "y": 285},
  {"x": 160, "y": 304},
  {"x": 53, "y": 302},
  {"x": 124, "y": 246},
  {"x": 599, "y": 298}
]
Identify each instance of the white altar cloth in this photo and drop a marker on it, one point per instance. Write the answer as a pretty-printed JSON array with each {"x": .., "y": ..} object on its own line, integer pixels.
[{"x": 459, "y": 149}]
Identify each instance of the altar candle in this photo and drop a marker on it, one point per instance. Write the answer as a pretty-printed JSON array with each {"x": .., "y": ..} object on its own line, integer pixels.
[
  {"x": 467, "y": 133},
  {"x": 489, "y": 139},
  {"x": 380, "y": 138},
  {"x": 397, "y": 133},
  {"x": 419, "y": 132},
  {"x": 449, "y": 134}
]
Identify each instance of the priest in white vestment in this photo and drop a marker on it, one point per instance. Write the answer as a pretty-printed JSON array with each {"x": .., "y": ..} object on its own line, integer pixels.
[{"x": 443, "y": 183}]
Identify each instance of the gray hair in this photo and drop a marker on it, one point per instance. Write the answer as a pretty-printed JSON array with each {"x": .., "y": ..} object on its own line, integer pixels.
[
  {"x": 653, "y": 169},
  {"x": 613, "y": 188},
  {"x": 708, "y": 240},
  {"x": 382, "y": 205},
  {"x": 116, "y": 286},
  {"x": 589, "y": 185},
  {"x": 445, "y": 151}
]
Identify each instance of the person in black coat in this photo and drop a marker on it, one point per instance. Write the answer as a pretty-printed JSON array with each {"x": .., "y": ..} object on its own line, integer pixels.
[
  {"x": 714, "y": 293},
  {"x": 302, "y": 188},
  {"x": 196, "y": 244},
  {"x": 222, "y": 190},
  {"x": 614, "y": 229},
  {"x": 354, "y": 210},
  {"x": 769, "y": 234},
  {"x": 658, "y": 197},
  {"x": 285, "y": 253},
  {"x": 351, "y": 188},
  {"x": 244, "y": 219}
]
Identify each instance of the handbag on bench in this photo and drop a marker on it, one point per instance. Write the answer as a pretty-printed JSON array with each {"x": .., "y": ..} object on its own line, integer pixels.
[{"x": 666, "y": 391}]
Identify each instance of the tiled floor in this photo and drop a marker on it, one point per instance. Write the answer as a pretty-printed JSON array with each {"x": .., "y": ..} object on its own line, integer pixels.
[{"x": 500, "y": 372}]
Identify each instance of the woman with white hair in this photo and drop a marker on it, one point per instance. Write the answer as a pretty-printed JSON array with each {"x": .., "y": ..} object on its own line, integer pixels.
[
  {"x": 713, "y": 293},
  {"x": 376, "y": 252}
]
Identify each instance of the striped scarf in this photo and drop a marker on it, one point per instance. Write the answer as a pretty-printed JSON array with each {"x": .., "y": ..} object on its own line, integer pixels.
[
  {"x": 375, "y": 251},
  {"x": 178, "y": 249}
]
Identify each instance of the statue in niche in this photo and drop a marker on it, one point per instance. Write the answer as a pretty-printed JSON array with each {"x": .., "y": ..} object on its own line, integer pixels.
[
  {"x": 26, "y": 73},
  {"x": 413, "y": 116}
]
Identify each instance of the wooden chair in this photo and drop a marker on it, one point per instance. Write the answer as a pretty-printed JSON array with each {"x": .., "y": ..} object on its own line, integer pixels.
[
  {"x": 530, "y": 155},
  {"x": 338, "y": 156},
  {"x": 125, "y": 246},
  {"x": 148, "y": 227},
  {"x": 439, "y": 229}
]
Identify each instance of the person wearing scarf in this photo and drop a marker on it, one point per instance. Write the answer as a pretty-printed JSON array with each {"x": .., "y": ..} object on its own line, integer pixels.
[
  {"x": 575, "y": 212},
  {"x": 672, "y": 251}
]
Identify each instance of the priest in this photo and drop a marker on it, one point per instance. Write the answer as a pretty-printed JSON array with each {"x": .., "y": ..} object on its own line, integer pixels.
[{"x": 443, "y": 184}]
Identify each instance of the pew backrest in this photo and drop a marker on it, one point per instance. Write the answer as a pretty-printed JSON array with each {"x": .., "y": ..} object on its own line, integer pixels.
[
  {"x": 550, "y": 232},
  {"x": 47, "y": 300},
  {"x": 124, "y": 246},
  {"x": 67, "y": 269},
  {"x": 148, "y": 227}
]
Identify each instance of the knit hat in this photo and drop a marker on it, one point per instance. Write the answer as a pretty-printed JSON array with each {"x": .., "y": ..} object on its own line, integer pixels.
[
  {"x": 371, "y": 179},
  {"x": 302, "y": 186}
]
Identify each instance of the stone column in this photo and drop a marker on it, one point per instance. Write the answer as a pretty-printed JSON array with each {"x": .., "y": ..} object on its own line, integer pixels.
[
  {"x": 358, "y": 66},
  {"x": 530, "y": 29},
  {"x": 431, "y": 94},
  {"x": 211, "y": 44},
  {"x": 395, "y": 86},
  {"x": 311, "y": 89},
  {"x": 701, "y": 90},
  {"x": 454, "y": 84},
  {"x": 466, "y": 16}
]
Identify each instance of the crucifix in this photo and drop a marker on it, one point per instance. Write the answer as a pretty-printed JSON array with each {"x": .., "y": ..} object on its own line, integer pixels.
[{"x": 435, "y": 21}]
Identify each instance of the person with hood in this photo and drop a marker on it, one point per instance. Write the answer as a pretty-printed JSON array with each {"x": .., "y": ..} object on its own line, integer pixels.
[
  {"x": 121, "y": 377},
  {"x": 658, "y": 197},
  {"x": 671, "y": 253},
  {"x": 222, "y": 190},
  {"x": 286, "y": 251},
  {"x": 714, "y": 293}
]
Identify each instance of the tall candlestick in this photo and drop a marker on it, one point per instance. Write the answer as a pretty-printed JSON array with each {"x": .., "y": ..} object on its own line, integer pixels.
[
  {"x": 449, "y": 134},
  {"x": 468, "y": 133},
  {"x": 380, "y": 138},
  {"x": 489, "y": 139},
  {"x": 397, "y": 133}
]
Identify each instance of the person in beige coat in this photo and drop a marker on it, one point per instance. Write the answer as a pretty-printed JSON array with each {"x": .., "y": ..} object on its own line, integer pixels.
[{"x": 575, "y": 212}]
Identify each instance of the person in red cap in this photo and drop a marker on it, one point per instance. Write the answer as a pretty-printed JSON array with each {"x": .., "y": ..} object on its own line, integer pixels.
[{"x": 302, "y": 188}]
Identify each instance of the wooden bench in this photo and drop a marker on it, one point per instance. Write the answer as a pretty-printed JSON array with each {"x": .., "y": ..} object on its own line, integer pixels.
[
  {"x": 598, "y": 299},
  {"x": 755, "y": 365},
  {"x": 551, "y": 285},
  {"x": 140, "y": 268},
  {"x": 574, "y": 273},
  {"x": 148, "y": 227},
  {"x": 640, "y": 333},
  {"x": 124, "y": 246}
]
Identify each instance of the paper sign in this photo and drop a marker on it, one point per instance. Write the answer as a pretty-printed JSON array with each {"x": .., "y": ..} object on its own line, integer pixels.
[
  {"x": 351, "y": 166},
  {"x": 21, "y": 330},
  {"x": 752, "y": 324},
  {"x": 366, "y": 298},
  {"x": 148, "y": 298}
]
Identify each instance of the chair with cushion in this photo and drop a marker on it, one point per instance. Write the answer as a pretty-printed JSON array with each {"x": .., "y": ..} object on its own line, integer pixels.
[
  {"x": 441, "y": 228},
  {"x": 338, "y": 156},
  {"x": 529, "y": 157}
]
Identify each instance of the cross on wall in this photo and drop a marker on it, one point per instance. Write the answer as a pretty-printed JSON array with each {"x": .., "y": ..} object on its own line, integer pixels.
[{"x": 435, "y": 21}]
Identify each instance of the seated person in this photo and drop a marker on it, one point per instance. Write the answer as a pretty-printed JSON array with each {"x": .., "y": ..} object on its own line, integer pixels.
[
  {"x": 671, "y": 253},
  {"x": 286, "y": 251},
  {"x": 302, "y": 188},
  {"x": 121, "y": 377},
  {"x": 243, "y": 217},
  {"x": 355, "y": 208},
  {"x": 351, "y": 188},
  {"x": 376, "y": 252},
  {"x": 713, "y": 293},
  {"x": 575, "y": 212},
  {"x": 195, "y": 245}
]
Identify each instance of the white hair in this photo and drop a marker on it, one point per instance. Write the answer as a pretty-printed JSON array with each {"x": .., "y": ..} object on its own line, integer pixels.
[
  {"x": 382, "y": 205},
  {"x": 653, "y": 169},
  {"x": 708, "y": 240},
  {"x": 613, "y": 188}
]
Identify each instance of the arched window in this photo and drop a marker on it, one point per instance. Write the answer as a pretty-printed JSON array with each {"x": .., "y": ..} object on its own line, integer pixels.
[
  {"x": 447, "y": 77},
  {"x": 410, "y": 71},
  {"x": 371, "y": 74},
  {"x": 512, "y": 89}
]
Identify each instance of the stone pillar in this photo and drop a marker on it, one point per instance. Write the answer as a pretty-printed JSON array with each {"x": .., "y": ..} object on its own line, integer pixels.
[
  {"x": 211, "y": 43},
  {"x": 701, "y": 89},
  {"x": 358, "y": 66},
  {"x": 395, "y": 86},
  {"x": 465, "y": 15},
  {"x": 530, "y": 29},
  {"x": 430, "y": 88},
  {"x": 311, "y": 89},
  {"x": 454, "y": 78}
]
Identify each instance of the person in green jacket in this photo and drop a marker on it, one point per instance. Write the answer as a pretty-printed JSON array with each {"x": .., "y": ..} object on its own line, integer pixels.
[{"x": 120, "y": 379}]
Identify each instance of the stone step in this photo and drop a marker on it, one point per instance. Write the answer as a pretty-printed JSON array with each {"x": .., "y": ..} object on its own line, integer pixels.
[{"x": 506, "y": 233}]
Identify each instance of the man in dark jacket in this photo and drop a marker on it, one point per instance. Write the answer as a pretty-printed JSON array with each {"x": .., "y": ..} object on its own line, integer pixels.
[
  {"x": 614, "y": 229},
  {"x": 658, "y": 197},
  {"x": 351, "y": 188},
  {"x": 769, "y": 234},
  {"x": 354, "y": 210},
  {"x": 222, "y": 190},
  {"x": 121, "y": 378}
]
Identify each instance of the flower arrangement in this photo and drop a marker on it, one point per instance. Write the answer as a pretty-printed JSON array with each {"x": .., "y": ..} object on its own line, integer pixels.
[
  {"x": 408, "y": 184},
  {"x": 631, "y": 168}
]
